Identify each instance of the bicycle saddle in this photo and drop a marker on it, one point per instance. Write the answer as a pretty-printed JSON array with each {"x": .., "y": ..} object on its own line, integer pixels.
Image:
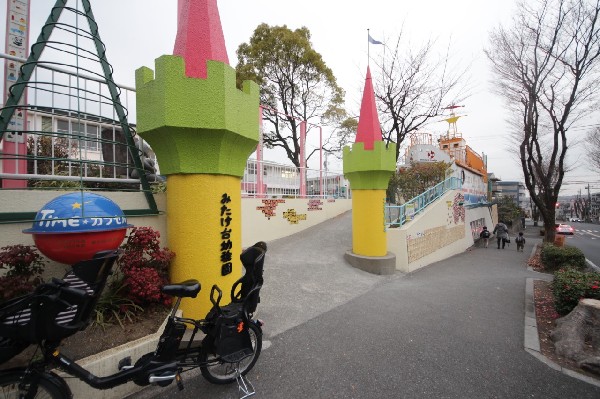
[{"x": 185, "y": 289}]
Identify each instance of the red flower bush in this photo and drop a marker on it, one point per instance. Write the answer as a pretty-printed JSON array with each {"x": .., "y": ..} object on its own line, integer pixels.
[
  {"x": 143, "y": 286},
  {"x": 570, "y": 285},
  {"x": 21, "y": 260},
  {"x": 25, "y": 266},
  {"x": 145, "y": 267}
]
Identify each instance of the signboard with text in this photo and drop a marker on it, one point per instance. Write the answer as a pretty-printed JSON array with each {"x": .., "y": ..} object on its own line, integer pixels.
[{"x": 17, "y": 45}]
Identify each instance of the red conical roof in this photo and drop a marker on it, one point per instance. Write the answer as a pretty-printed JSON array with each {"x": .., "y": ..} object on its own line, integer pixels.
[
  {"x": 199, "y": 36},
  {"x": 369, "y": 129}
]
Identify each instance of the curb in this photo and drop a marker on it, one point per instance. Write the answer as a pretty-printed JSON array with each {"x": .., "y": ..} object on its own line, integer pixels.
[
  {"x": 532, "y": 343},
  {"x": 105, "y": 363},
  {"x": 592, "y": 265}
]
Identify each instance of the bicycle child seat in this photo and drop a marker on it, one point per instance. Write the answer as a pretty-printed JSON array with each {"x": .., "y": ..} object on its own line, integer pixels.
[
  {"x": 246, "y": 289},
  {"x": 57, "y": 309},
  {"x": 227, "y": 334}
]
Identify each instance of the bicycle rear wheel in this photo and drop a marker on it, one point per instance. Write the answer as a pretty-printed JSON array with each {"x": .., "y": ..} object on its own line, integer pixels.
[
  {"x": 10, "y": 389},
  {"x": 219, "y": 372}
]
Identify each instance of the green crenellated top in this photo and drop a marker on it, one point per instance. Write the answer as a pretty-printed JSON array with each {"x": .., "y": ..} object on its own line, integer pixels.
[
  {"x": 197, "y": 125},
  {"x": 369, "y": 169}
]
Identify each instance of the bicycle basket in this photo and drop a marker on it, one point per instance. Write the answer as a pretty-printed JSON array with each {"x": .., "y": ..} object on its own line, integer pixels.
[{"x": 50, "y": 313}]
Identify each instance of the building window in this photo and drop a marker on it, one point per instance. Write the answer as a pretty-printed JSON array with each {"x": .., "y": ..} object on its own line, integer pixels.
[
  {"x": 84, "y": 135},
  {"x": 288, "y": 174}
]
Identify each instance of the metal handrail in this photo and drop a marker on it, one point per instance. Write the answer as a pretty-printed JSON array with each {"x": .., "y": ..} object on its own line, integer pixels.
[{"x": 397, "y": 215}]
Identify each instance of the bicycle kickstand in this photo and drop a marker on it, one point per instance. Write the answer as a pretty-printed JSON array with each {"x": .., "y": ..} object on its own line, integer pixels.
[{"x": 245, "y": 387}]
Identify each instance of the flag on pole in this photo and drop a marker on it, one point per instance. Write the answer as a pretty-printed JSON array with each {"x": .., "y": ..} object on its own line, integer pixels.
[{"x": 373, "y": 41}]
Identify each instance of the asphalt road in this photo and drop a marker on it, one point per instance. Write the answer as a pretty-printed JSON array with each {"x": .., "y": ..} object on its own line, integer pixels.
[
  {"x": 586, "y": 238},
  {"x": 454, "y": 329}
]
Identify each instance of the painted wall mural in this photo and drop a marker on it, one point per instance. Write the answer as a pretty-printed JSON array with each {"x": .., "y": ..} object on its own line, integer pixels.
[
  {"x": 458, "y": 210},
  {"x": 315, "y": 205},
  {"x": 476, "y": 227},
  {"x": 430, "y": 240},
  {"x": 293, "y": 217},
  {"x": 269, "y": 207}
]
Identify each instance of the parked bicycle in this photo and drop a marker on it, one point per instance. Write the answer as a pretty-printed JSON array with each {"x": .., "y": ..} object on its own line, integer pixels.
[{"x": 230, "y": 347}]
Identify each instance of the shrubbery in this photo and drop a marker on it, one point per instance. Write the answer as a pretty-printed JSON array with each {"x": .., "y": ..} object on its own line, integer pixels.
[
  {"x": 25, "y": 267},
  {"x": 554, "y": 257},
  {"x": 570, "y": 285},
  {"x": 145, "y": 267}
]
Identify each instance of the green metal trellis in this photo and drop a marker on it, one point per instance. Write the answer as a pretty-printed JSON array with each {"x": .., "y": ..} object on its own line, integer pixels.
[{"x": 17, "y": 91}]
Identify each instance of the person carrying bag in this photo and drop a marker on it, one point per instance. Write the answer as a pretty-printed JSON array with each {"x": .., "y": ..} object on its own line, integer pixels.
[{"x": 501, "y": 232}]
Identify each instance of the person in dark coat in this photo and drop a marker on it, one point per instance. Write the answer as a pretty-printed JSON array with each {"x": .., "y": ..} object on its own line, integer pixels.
[
  {"x": 501, "y": 232},
  {"x": 520, "y": 240},
  {"x": 485, "y": 236}
]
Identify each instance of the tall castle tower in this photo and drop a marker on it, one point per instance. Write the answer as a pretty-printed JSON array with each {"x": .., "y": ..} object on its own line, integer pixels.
[{"x": 368, "y": 165}]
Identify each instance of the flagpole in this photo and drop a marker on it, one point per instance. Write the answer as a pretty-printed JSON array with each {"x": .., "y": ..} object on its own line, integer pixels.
[{"x": 368, "y": 48}]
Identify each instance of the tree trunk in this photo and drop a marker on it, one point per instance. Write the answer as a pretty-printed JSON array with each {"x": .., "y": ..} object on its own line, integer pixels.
[
  {"x": 577, "y": 335},
  {"x": 549, "y": 220}
]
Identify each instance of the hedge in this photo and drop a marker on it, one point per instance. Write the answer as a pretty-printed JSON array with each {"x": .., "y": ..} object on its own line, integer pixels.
[
  {"x": 554, "y": 257},
  {"x": 570, "y": 285}
]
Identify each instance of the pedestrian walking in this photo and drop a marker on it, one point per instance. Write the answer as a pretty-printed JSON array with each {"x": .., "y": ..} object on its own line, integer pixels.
[
  {"x": 501, "y": 232},
  {"x": 485, "y": 236},
  {"x": 520, "y": 240}
]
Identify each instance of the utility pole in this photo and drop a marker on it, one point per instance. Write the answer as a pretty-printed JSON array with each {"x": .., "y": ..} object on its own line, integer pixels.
[{"x": 589, "y": 205}]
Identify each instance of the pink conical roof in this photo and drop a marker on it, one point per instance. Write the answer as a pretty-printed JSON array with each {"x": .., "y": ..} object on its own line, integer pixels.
[
  {"x": 369, "y": 129},
  {"x": 199, "y": 36}
]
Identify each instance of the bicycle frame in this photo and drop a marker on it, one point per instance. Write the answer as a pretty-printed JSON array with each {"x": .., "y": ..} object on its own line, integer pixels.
[
  {"x": 171, "y": 357},
  {"x": 153, "y": 371}
]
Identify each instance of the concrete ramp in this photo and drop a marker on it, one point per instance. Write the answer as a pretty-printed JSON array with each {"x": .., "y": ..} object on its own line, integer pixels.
[{"x": 306, "y": 275}]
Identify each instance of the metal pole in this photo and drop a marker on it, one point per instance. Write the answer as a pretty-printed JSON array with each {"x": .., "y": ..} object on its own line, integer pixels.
[
  {"x": 321, "y": 161},
  {"x": 303, "y": 159},
  {"x": 368, "y": 48},
  {"x": 259, "y": 156}
]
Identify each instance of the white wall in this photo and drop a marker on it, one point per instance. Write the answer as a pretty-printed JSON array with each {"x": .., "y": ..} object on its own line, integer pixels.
[
  {"x": 262, "y": 219},
  {"x": 269, "y": 219},
  {"x": 438, "y": 233}
]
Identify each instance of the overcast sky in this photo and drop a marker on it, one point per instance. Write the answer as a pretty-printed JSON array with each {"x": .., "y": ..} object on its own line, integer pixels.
[{"x": 138, "y": 31}]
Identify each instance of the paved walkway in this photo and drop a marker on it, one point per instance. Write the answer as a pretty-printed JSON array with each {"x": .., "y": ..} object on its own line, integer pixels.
[{"x": 455, "y": 329}]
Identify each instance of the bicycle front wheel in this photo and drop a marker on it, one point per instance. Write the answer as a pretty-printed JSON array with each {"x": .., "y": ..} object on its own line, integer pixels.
[
  {"x": 219, "y": 372},
  {"x": 13, "y": 387}
]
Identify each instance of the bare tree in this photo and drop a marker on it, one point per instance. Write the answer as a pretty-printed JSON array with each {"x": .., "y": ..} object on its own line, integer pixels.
[
  {"x": 414, "y": 86},
  {"x": 593, "y": 148},
  {"x": 546, "y": 66},
  {"x": 342, "y": 136}
]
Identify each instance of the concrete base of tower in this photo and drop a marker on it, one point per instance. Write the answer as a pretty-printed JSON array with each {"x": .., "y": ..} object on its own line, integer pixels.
[{"x": 382, "y": 265}]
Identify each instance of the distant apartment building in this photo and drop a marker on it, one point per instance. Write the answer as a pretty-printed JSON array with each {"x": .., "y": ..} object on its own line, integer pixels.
[
  {"x": 595, "y": 206},
  {"x": 514, "y": 189}
]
